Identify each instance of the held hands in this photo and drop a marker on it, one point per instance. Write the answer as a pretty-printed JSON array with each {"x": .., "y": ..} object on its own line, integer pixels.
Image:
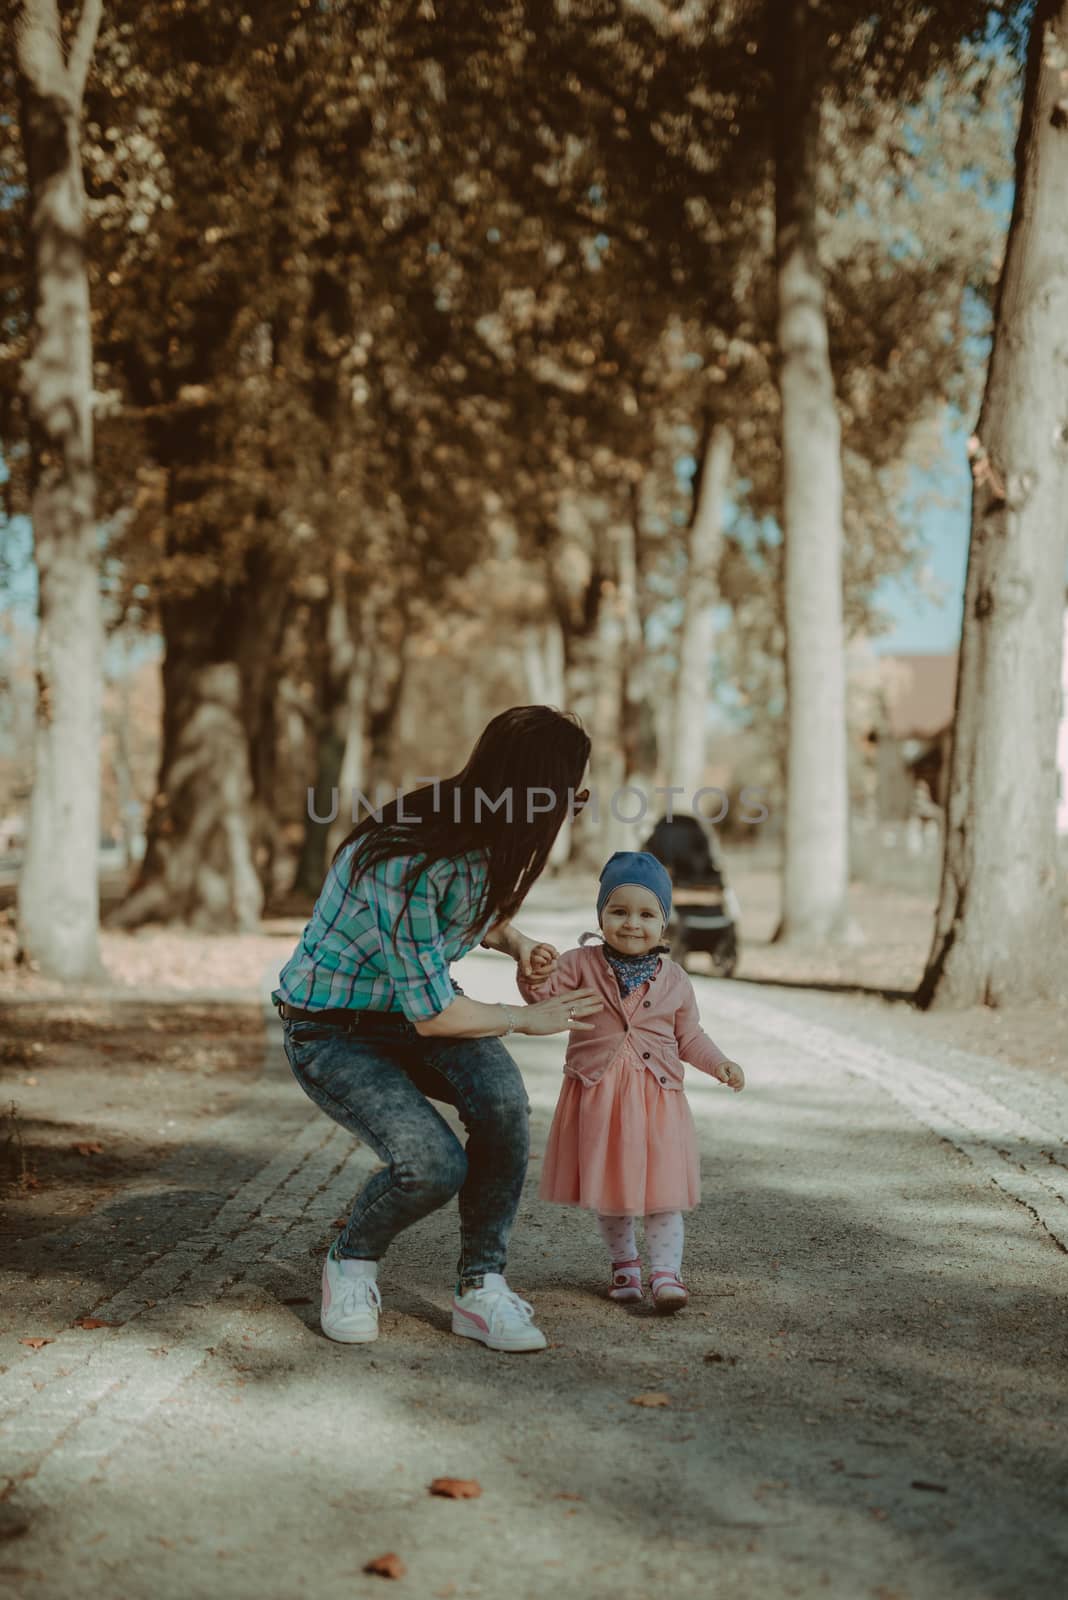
[
  {"x": 536, "y": 961},
  {"x": 730, "y": 1073},
  {"x": 563, "y": 1011}
]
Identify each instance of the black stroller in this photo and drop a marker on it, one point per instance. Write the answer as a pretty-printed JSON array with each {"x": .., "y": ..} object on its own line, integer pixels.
[{"x": 704, "y": 913}]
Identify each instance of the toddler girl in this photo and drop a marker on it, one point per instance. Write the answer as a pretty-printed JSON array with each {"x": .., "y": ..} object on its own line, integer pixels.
[{"x": 622, "y": 1141}]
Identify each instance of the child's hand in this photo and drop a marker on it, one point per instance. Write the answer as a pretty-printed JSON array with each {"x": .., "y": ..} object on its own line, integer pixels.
[
  {"x": 730, "y": 1073},
  {"x": 536, "y": 961}
]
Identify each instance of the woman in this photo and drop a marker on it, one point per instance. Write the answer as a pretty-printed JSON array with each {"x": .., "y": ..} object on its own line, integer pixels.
[{"x": 375, "y": 1027}]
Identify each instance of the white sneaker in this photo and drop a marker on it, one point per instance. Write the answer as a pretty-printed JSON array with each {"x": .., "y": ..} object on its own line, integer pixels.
[
  {"x": 350, "y": 1303},
  {"x": 496, "y": 1316}
]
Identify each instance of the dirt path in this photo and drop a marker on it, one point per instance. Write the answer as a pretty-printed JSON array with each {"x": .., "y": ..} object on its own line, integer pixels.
[{"x": 864, "y": 1398}]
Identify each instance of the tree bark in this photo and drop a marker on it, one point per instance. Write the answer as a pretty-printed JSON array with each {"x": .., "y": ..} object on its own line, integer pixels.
[
  {"x": 219, "y": 671},
  {"x": 999, "y": 929},
  {"x": 387, "y": 679},
  {"x": 324, "y": 639},
  {"x": 594, "y": 676},
  {"x": 201, "y": 871},
  {"x": 543, "y": 660},
  {"x": 816, "y": 864},
  {"x": 58, "y": 896},
  {"x": 354, "y": 665},
  {"x": 696, "y": 636}
]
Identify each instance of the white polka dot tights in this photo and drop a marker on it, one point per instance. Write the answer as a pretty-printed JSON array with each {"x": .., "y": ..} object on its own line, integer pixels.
[{"x": 663, "y": 1239}]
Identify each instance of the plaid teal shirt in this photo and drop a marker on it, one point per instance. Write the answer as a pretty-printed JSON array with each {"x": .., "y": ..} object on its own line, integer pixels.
[{"x": 347, "y": 955}]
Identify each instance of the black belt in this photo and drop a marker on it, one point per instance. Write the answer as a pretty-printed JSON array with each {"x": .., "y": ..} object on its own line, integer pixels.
[{"x": 342, "y": 1016}]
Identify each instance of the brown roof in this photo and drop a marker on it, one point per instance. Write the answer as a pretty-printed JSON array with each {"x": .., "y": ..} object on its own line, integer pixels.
[{"x": 918, "y": 693}]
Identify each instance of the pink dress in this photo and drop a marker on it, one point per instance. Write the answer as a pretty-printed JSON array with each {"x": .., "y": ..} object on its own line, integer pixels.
[{"x": 625, "y": 1145}]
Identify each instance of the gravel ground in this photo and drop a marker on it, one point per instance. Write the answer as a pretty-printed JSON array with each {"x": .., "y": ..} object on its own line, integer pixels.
[{"x": 864, "y": 1398}]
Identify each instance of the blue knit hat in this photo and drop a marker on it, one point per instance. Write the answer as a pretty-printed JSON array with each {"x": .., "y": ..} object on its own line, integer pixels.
[{"x": 637, "y": 867}]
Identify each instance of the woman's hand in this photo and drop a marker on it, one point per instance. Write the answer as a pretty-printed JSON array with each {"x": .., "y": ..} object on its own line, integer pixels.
[
  {"x": 730, "y": 1073},
  {"x": 535, "y": 960},
  {"x": 562, "y": 1011}
]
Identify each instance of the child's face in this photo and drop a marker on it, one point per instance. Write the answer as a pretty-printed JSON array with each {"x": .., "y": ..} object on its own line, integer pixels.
[{"x": 632, "y": 921}]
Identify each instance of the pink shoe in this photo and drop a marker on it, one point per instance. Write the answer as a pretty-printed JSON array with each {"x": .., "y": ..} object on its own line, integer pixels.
[
  {"x": 669, "y": 1292},
  {"x": 626, "y": 1280}
]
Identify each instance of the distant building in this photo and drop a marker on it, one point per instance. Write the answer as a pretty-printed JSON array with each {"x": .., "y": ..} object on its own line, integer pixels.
[
  {"x": 911, "y": 738},
  {"x": 910, "y": 741}
]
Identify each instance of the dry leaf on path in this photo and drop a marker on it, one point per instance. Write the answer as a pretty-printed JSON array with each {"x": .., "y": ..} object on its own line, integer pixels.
[
  {"x": 654, "y": 1398},
  {"x": 35, "y": 1343},
  {"x": 387, "y": 1566},
  {"x": 95, "y": 1322},
  {"x": 90, "y": 1147},
  {"x": 457, "y": 1488}
]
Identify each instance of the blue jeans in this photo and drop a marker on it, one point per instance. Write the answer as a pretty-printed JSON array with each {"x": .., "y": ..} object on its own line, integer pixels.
[{"x": 378, "y": 1081}]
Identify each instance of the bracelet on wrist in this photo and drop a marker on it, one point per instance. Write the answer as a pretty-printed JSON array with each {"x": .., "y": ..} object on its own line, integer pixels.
[{"x": 512, "y": 1021}]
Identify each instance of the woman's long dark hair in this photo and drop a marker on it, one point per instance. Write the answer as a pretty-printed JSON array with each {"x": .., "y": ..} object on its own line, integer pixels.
[{"x": 534, "y": 750}]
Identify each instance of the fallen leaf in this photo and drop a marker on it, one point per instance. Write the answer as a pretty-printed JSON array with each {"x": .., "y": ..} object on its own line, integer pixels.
[
  {"x": 569, "y": 1497},
  {"x": 387, "y": 1566},
  {"x": 95, "y": 1322},
  {"x": 932, "y": 1488},
  {"x": 653, "y": 1398},
  {"x": 339, "y": 1222},
  {"x": 35, "y": 1343},
  {"x": 718, "y": 1356},
  {"x": 456, "y": 1488},
  {"x": 89, "y": 1147}
]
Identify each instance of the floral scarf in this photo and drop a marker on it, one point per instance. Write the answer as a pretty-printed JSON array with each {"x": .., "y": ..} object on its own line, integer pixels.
[{"x": 631, "y": 971}]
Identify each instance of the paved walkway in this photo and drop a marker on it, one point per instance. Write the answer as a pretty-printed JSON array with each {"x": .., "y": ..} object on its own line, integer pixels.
[{"x": 865, "y": 1397}]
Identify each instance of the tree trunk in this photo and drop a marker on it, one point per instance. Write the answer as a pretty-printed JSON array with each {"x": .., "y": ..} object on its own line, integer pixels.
[
  {"x": 389, "y": 672},
  {"x": 637, "y": 728},
  {"x": 257, "y": 648},
  {"x": 816, "y": 864},
  {"x": 353, "y": 646},
  {"x": 124, "y": 781},
  {"x": 58, "y": 895},
  {"x": 999, "y": 929},
  {"x": 688, "y": 743},
  {"x": 543, "y": 660},
  {"x": 594, "y": 676},
  {"x": 199, "y": 866},
  {"x": 326, "y": 750}
]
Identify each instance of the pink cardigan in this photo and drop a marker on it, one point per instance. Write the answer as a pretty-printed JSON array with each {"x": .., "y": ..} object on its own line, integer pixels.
[{"x": 663, "y": 1032}]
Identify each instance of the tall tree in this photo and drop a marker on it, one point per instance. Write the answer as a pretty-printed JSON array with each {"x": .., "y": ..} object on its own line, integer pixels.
[
  {"x": 999, "y": 930},
  {"x": 816, "y": 865},
  {"x": 696, "y": 636},
  {"x": 58, "y": 905}
]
